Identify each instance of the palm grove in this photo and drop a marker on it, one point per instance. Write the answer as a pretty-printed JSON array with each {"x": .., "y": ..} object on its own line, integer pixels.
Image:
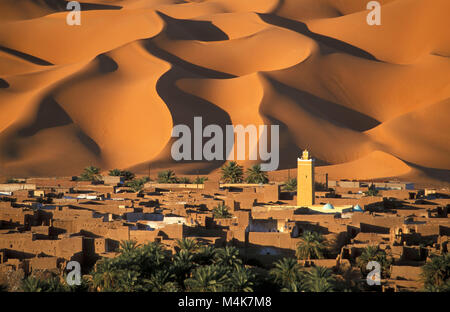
[{"x": 205, "y": 268}]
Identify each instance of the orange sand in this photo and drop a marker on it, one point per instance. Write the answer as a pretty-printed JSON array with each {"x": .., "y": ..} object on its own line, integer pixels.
[{"x": 368, "y": 101}]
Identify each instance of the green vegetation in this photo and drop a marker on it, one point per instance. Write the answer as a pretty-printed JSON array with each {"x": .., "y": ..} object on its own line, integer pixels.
[
  {"x": 256, "y": 175},
  {"x": 184, "y": 180},
  {"x": 311, "y": 246},
  {"x": 320, "y": 186},
  {"x": 374, "y": 253},
  {"x": 372, "y": 191},
  {"x": 211, "y": 278},
  {"x": 167, "y": 176},
  {"x": 319, "y": 279},
  {"x": 52, "y": 284},
  {"x": 193, "y": 267},
  {"x": 127, "y": 247},
  {"x": 137, "y": 184},
  {"x": 127, "y": 175},
  {"x": 200, "y": 180},
  {"x": 115, "y": 172},
  {"x": 12, "y": 180},
  {"x": 221, "y": 211},
  {"x": 228, "y": 256},
  {"x": 286, "y": 273},
  {"x": 436, "y": 274},
  {"x": 232, "y": 173},
  {"x": 289, "y": 276},
  {"x": 188, "y": 245},
  {"x": 90, "y": 173},
  {"x": 290, "y": 185}
]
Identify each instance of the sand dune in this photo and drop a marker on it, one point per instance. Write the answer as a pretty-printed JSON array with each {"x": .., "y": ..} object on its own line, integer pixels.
[
  {"x": 383, "y": 165},
  {"x": 369, "y": 102}
]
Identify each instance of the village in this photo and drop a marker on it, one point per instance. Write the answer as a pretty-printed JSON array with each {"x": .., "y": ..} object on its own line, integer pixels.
[{"x": 47, "y": 222}]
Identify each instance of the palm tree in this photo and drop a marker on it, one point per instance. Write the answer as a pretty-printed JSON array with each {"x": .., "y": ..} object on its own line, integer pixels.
[
  {"x": 127, "y": 175},
  {"x": 242, "y": 280},
  {"x": 292, "y": 287},
  {"x": 152, "y": 256},
  {"x": 127, "y": 246},
  {"x": 51, "y": 284},
  {"x": 311, "y": 246},
  {"x": 373, "y": 253},
  {"x": 115, "y": 172},
  {"x": 200, "y": 180},
  {"x": 205, "y": 255},
  {"x": 228, "y": 256},
  {"x": 372, "y": 191},
  {"x": 162, "y": 281},
  {"x": 286, "y": 272},
  {"x": 129, "y": 281},
  {"x": 183, "y": 263},
  {"x": 209, "y": 278},
  {"x": 349, "y": 279},
  {"x": 167, "y": 176},
  {"x": 221, "y": 212},
  {"x": 184, "y": 180},
  {"x": 106, "y": 276},
  {"x": 319, "y": 279},
  {"x": 54, "y": 284},
  {"x": 436, "y": 272},
  {"x": 137, "y": 184},
  {"x": 91, "y": 173},
  {"x": 290, "y": 185},
  {"x": 32, "y": 284},
  {"x": 232, "y": 173},
  {"x": 256, "y": 175},
  {"x": 187, "y": 244}
]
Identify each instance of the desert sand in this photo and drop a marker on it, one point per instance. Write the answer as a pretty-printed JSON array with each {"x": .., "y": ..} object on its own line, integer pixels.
[{"x": 369, "y": 102}]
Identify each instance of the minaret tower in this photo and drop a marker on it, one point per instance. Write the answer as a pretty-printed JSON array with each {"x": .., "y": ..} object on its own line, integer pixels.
[{"x": 305, "y": 180}]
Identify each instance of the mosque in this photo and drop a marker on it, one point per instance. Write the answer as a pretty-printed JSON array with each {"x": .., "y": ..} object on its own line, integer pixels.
[{"x": 306, "y": 192}]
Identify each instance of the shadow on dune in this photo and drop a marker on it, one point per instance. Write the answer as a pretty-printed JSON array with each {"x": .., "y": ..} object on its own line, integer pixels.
[
  {"x": 26, "y": 57},
  {"x": 327, "y": 44},
  {"x": 195, "y": 70},
  {"x": 184, "y": 106},
  {"x": 434, "y": 173},
  {"x": 61, "y": 5},
  {"x": 106, "y": 64},
  {"x": 289, "y": 151},
  {"x": 3, "y": 84},
  {"x": 337, "y": 114},
  {"x": 182, "y": 29},
  {"x": 49, "y": 115}
]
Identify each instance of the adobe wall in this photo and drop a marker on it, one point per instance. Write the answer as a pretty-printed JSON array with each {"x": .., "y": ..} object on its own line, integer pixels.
[
  {"x": 14, "y": 187},
  {"x": 382, "y": 225},
  {"x": 280, "y": 240},
  {"x": 65, "y": 248},
  {"x": 275, "y": 214},
  {"x": 406, "y": 272},
  {"x": 43, "y": 263},
  {"x": 172, "y": 231},
  {"x": 142, "y": 237}
]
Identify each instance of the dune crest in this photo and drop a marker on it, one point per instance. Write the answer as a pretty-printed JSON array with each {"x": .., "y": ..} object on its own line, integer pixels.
[{"x": 368, "y": 102}]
